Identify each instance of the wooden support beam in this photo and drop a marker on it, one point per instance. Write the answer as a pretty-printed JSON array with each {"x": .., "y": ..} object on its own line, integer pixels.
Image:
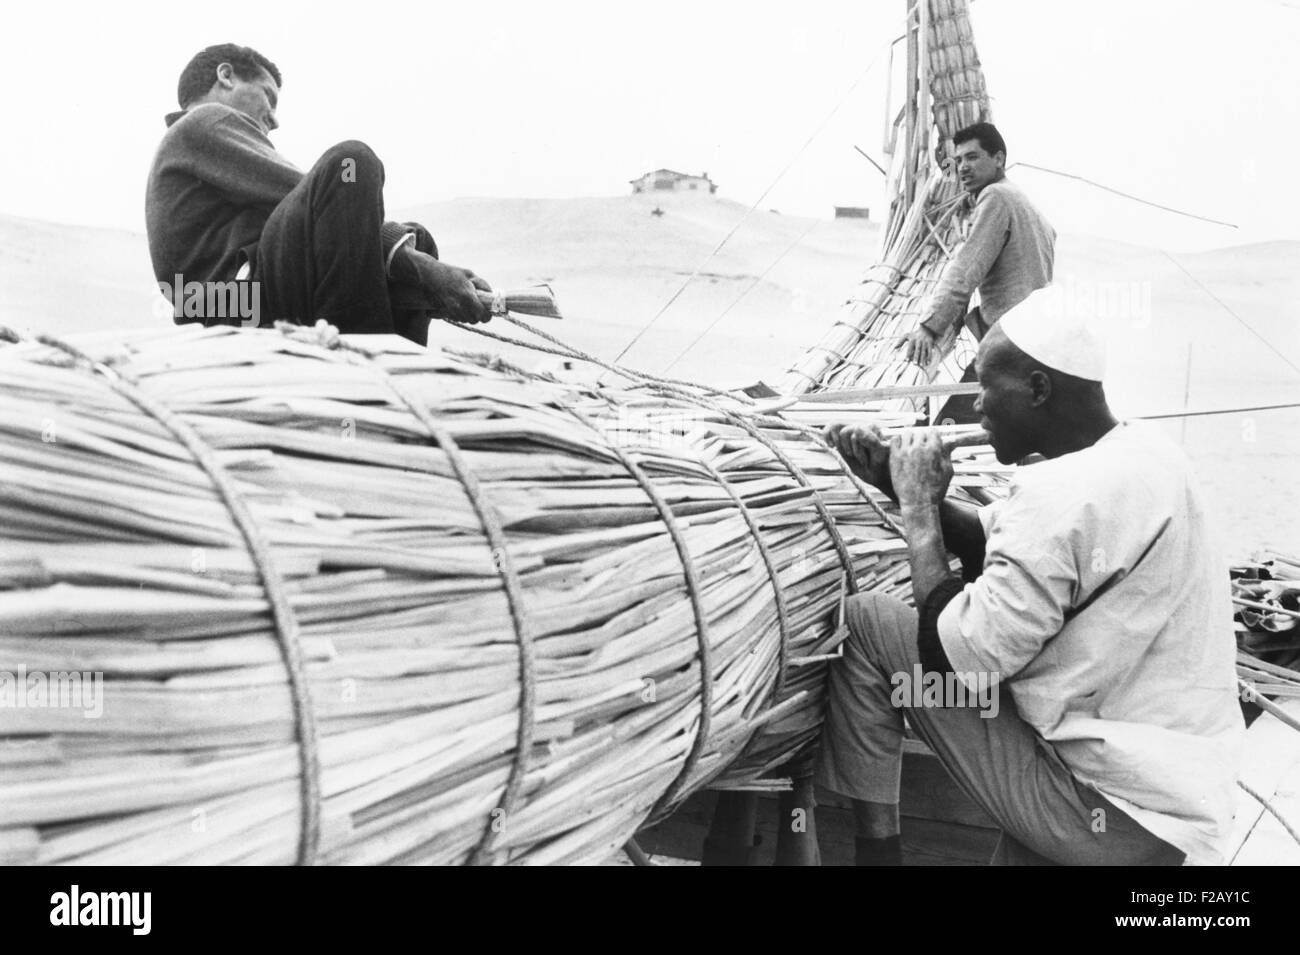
[
  {"x": 796, "y": 826},
  {"x": 731, "y": 833},
  {"x": 921, "y": 159},
  {"x": 890, "y": 391},
  {"x": 909, "y": 103}
]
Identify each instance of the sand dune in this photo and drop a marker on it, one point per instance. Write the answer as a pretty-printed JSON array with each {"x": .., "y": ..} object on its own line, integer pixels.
[
  {"x": 60, "y": 279},
  {"x": 614, "y": 265}
]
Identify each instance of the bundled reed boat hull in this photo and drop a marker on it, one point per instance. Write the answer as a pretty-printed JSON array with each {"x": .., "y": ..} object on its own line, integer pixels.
[{"x": 375, "y": 603}]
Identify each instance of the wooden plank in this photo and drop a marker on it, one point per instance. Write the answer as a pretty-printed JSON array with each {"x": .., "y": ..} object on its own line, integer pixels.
[
  {"x": 889, "y": 391},
  {"x": 1272, "y": 751}
]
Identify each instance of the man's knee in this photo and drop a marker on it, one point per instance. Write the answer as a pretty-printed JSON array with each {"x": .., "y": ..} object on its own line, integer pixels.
[
  {"x": 879, "y": 624},
  {"x": 353, "y": 160}
]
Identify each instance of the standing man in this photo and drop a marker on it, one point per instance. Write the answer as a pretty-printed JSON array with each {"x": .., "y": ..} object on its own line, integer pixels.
[
  {"x": 222, "y": 206},
  {"x": 1007, "y": 254},
  {"x": 1100, "y": 617}
]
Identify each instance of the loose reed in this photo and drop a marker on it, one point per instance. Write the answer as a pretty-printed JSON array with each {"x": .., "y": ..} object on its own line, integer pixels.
[{"x": 538, "y": 300}]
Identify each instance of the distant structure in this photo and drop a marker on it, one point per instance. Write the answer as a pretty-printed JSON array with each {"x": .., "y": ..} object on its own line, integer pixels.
[
  {"x": 667, "y": 180},
  {"x": 852, "y": 212}
]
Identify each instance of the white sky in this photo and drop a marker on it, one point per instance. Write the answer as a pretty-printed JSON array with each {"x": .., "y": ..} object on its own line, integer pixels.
[{"x": 1191, "y": 104}]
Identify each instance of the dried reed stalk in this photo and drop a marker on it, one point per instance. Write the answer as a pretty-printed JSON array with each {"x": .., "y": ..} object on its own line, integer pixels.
[
  {"x": 538, "y": 300},
  {"x": 118, "y": 557}
]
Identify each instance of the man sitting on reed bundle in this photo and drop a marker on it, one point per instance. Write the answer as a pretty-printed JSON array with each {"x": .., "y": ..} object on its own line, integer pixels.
[
  {"x": 1008, "y": 253},
  {"x": 1097, "y": 608},
  {"x": 223, "y": 205}
]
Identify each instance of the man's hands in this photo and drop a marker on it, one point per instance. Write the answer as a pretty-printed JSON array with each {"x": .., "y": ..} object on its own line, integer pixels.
[
  {"x": 913, "y": 468},
  {"x": 446, "y": 290},
  {"x": 453, "y": 292},
  {"x": 920, "y": 468},
  {"x": 920, "y": 346},
  {"x": 866, "y": 451}
]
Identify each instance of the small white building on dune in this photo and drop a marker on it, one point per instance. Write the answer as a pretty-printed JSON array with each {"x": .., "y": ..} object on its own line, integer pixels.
[{"x": 668, "y": 180}]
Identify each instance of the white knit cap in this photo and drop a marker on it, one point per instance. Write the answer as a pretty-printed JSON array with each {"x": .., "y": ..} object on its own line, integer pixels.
[{"x": 1050, "y": 328}]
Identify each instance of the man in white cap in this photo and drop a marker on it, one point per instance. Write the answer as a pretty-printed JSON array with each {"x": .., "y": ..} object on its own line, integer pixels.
[{"x": 1095, "y": 601}]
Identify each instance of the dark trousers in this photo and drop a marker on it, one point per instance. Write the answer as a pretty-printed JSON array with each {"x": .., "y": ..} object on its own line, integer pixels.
[
  {"x": 960, "y": 409},
  {"x": 321, "y": 255}
]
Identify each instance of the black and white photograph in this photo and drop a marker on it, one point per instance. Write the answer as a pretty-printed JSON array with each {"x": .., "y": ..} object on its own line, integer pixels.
[{"x": 674, "y": 434}]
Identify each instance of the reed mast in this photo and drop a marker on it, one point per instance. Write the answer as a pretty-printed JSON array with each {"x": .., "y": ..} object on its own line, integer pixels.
[{"x": 942, "y": 90}]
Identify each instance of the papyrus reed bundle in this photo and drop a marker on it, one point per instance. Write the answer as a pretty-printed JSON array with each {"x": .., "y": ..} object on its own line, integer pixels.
[{"x": 121, "y": 561}]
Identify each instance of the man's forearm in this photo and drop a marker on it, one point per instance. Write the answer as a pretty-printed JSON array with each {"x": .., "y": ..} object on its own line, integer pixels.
[
  {"x": 922, "y": 472},
  {"x": 932, "y": 582},
  {"x": 948, "y": 303},
  {"x": 946, "y": 310},
  {"x": 925, "y": 549},
  {"x": 962, "y": 532},
  {"x": 963, "y": 535},
  {"x": 404, "y": 267}
]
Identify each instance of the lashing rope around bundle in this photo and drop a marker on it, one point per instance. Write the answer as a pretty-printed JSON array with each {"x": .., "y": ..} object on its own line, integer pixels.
[
  {"x": 493, "y": 531},
  {"x": 765, "y": 553},
  {"x": 778, "y": 592},
  {"x": 273, "y": 586},
  {"x": 849, "y": 582},
  {"x": 693, "y": 588},
  {"x": 690, "y": 391},
  {"x": 671, "y": 387},
  {"x": 512, "y": 583}
]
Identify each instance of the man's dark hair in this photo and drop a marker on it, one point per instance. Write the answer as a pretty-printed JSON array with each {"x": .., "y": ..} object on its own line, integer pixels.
[
  {"x": 990, "y": 139},
  {"x": 199, "y": 74}
]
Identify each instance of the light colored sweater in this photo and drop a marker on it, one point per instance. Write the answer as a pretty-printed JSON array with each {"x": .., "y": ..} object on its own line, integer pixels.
[{"x": 1007, "y": 254}]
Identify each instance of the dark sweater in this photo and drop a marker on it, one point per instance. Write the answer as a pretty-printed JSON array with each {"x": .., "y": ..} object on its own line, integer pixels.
[{"x": 214, "y": 182}]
